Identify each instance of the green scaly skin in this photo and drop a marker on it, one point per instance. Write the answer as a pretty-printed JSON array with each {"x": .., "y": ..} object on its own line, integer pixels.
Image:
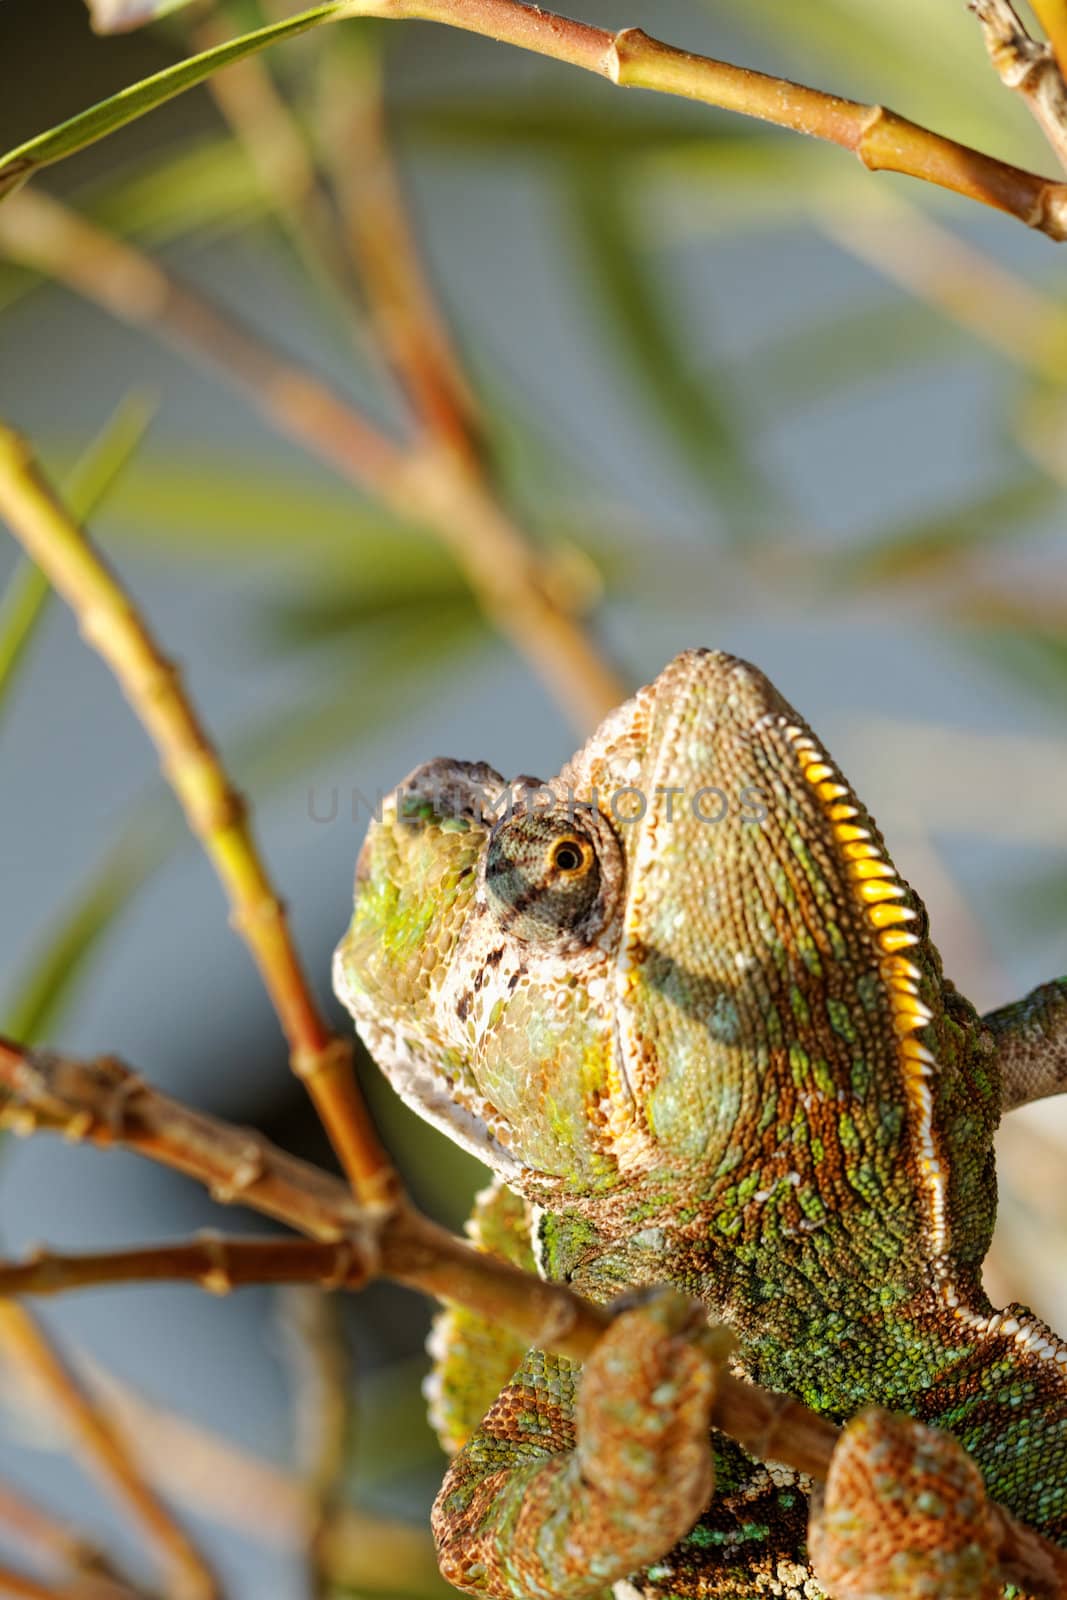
[{"x": 714, "y": 1054}]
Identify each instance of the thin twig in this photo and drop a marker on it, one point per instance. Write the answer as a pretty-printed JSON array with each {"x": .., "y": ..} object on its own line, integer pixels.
[
  {"x": 517, "y": 590},
  {"x": 322, "y": 1407},
  {"x": 25, "y": 1345},
  {"x": 1028, "y": 68},
  {"x": 380, "y": 240},
  {"x": 45, "y": 1534},
  {"x": 102, "y": 1103},
  {"x": 226, "y": 1484},
  {"x": 881, "y": 138},
  {"x": 20, "y": 1586},
  {"x": 216, "y": 1264},
  {"x": 954, "y": 275},
  {"x": 274, "y": 143},
  {"x": 215, "y": 812}
]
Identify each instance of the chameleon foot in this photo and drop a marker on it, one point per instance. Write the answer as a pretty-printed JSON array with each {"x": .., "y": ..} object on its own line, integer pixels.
[
  {"x": 905, "y": 1515},
  {"x": 566, "y": 1490}
]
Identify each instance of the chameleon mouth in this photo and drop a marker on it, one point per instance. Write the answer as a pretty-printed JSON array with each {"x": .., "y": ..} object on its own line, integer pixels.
[{"x": 428, "y": 1091}]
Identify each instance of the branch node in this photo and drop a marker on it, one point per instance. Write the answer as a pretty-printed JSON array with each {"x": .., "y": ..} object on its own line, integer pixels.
[
  {"x": 247, "y": 1171},
  {"x": 217, "y": 1279}
]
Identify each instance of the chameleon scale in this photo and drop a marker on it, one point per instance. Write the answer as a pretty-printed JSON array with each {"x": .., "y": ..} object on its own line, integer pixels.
[{"x": 705, "y": 1044}]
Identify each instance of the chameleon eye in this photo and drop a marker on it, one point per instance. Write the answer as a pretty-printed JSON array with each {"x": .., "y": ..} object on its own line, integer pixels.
[
  {"x": 543, "y": 878},
  {"x": 571, "y": 856}
]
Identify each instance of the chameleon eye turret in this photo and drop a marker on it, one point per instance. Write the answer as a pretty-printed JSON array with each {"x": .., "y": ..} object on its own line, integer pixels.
[{"x": 553, "y": 878}]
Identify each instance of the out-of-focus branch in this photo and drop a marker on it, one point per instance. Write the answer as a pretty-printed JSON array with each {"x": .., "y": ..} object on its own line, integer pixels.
[
  {"x": 322, "y": 1409},
  {"x": 517, "y": 590},
  {"x": 1029, "y": 68},
  {"x": 274, "y": 144},
  {"x": 44, "y": 1534},
  {"x": 20, "y": 1586},
  {"x": 380, "y": 240},
  {"x": 24, "y": 1344},
  {"x": 906, "y": 245},
  {"x": 215, "y": 812},
  {"x": 226, "y": 1484}
]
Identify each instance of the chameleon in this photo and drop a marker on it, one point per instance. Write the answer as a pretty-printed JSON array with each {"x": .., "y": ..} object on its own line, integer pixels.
[{"x": 681, "y": 1004}]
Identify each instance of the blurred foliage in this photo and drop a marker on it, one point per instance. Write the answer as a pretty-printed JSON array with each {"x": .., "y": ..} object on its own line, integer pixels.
[{"x": 360, "y": 596}]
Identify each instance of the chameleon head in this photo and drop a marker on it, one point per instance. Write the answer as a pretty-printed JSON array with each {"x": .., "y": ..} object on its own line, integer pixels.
[{"x": 630, "y": 975}]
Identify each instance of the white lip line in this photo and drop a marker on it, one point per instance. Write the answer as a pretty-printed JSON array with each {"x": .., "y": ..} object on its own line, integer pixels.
[{"x": 427, "y": 1092}]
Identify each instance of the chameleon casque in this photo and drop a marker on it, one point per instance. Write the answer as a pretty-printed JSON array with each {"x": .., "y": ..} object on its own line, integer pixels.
[{"x": 680, "y": 1002}]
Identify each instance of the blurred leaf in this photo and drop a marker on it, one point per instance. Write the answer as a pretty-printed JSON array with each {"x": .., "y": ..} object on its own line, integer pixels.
[
  {"x": 202, "y": 183},
  {"x": 21, "y": 608},
  {"x": 352, "y": 704},
  {"x": 703, "y": 415},
  {"x": 121, "y": 16},
  {"x": 26, "y": 596},
  {"x": 925, "y": 547},
  {"x": 814, "y": 362},
  {"x": 568, "y": 129},
  {"x": 1036, "y": 659},
  {"x": 129, "y": 104},
  {"x": 325, "y": 618},
  {"x": 51, "y": 977},
  {"x": 232, "y": 508}
]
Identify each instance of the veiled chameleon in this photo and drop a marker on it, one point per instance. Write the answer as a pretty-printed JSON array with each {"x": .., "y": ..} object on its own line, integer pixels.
[{"x": 680, "y": 1002}]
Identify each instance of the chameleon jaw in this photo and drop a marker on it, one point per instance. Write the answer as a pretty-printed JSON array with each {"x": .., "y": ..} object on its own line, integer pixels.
[{"x": 430, "y": 1094}]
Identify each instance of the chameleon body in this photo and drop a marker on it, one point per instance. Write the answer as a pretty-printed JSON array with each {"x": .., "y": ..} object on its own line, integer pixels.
[{"x": 681, "y": 1003}]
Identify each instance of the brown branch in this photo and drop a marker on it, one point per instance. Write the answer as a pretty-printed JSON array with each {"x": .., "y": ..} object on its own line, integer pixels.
[
  {"x": 630, "y": 58},
  {"x": 25, "y": 1345},
  {"x": 43, "y": 1533},
  {"x": 275, "y": 146},
  {"x": 381, "y": 243},
  {"x": 517, "y": 592},
  {"x": 215, "y": 812},
  {"x": 228, "y": 1485},
  {"x": 322, "y": 1410},
  {"x": 883, "y": 140},
  {"x": 215, "y": 1264},
  {"x": 20, "y": 1586},
  {"x": 102, "y": 1103},
  {"x": 1028, "y": 68},
  {"x": 84, "y": 1586}
]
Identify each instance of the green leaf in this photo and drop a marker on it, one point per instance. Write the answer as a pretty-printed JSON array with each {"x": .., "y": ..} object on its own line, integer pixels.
[
  {"x": 121, "y": 16},
  {"x": 129, "y": 104},
  {"x": 52, "y": 976},
  {"x": 813, "y": 363},
  {"x": 923, "y": 548},
  {"x": 702, "y": 412},
  {"x": 24, "y": 600},
  {"x": 561, "y": 128},
  {"x": 199, "y": 184}
]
